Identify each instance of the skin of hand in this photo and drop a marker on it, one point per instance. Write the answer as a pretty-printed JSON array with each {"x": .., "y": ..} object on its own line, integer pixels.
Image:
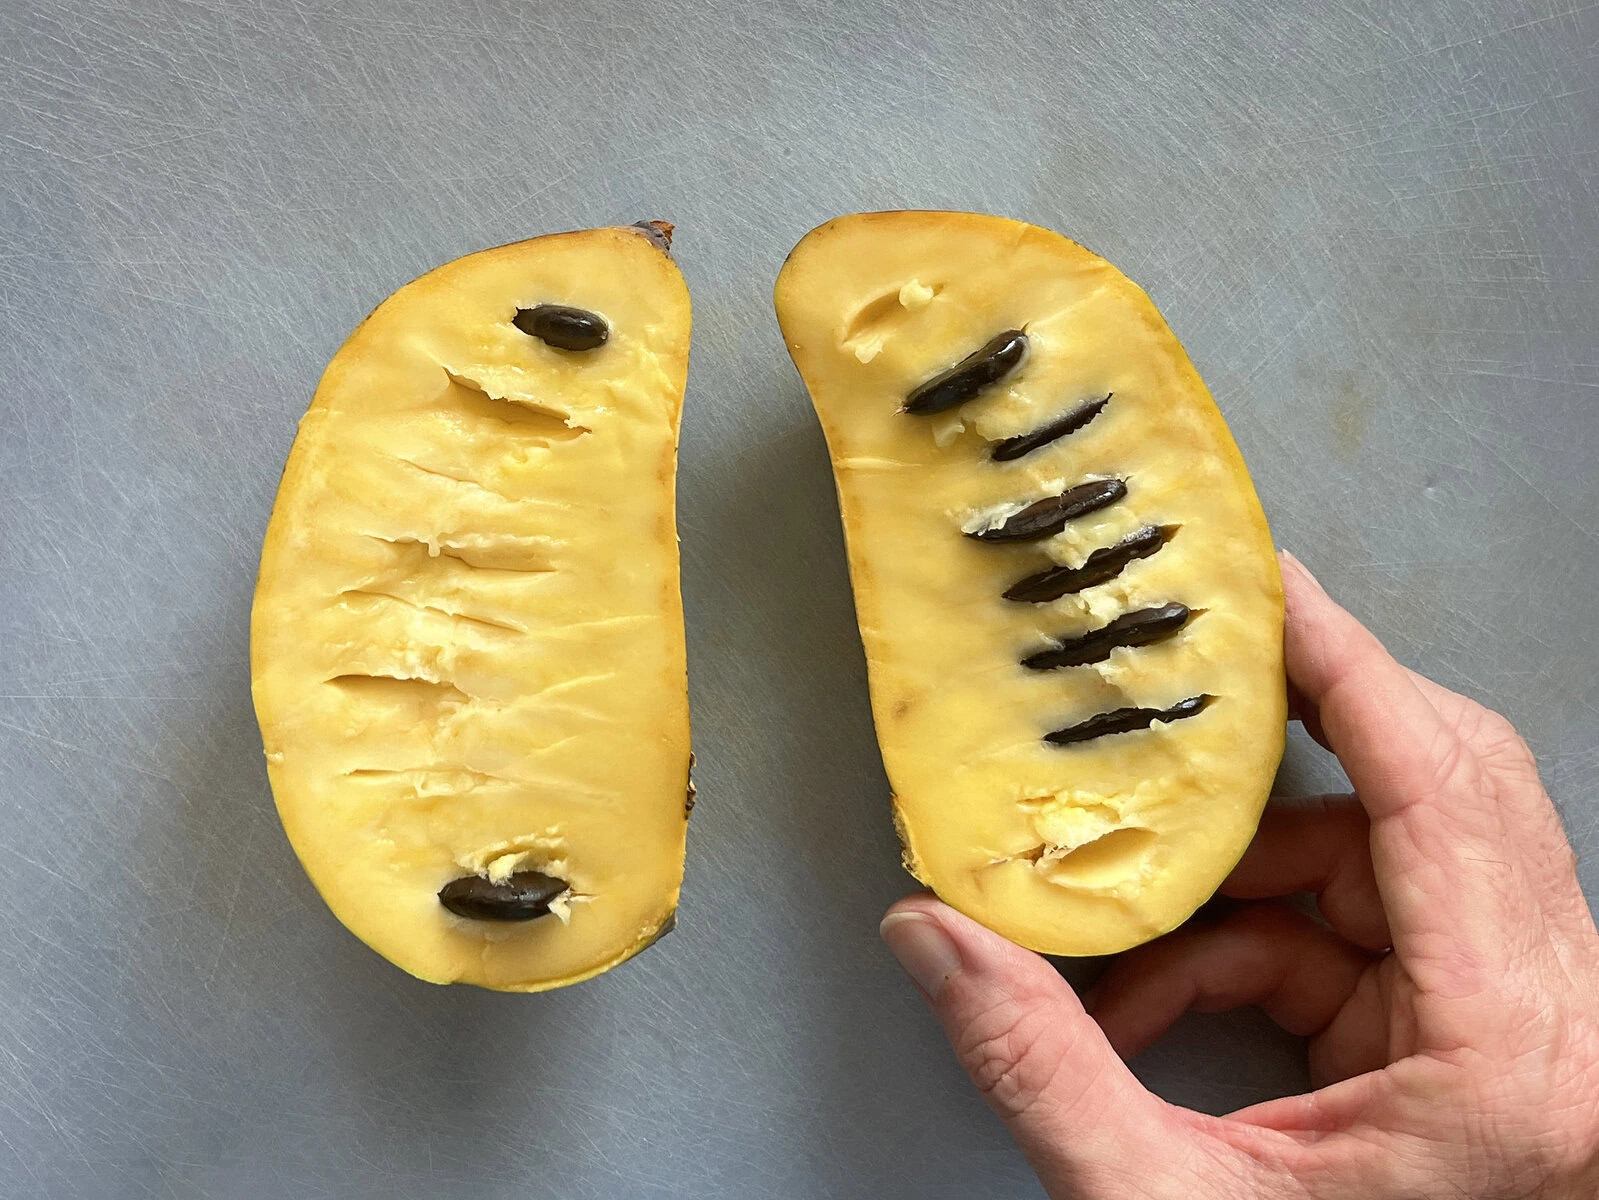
[{"x": 1451, "y": 998}]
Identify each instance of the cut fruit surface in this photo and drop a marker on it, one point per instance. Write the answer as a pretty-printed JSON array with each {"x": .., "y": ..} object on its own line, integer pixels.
[
  {"x": 1066, "y": 588},
  {"x": 467, "y": 641}
]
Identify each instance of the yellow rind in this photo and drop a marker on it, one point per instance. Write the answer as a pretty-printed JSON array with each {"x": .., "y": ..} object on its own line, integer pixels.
[
  {"x": 491, "y": 519},
  {"x": 994, "y": 819}
]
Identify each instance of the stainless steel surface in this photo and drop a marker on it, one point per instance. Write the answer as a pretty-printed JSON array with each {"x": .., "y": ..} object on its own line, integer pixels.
[{"x": 1374, "y": 230}]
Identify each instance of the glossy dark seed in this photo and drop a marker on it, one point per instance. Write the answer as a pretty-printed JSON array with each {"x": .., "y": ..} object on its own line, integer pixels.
[
  {"x": 659, "y": 232},
  {"x": 523, "y": 896},
  {"x": 1070, "y": 422},
  {"x": 982, "y": 368},
  {"x": 563, "y": 327},
  {"x": 1104, "y": 563},
  {"x": 1048, "y": 516},
  {"x": 1140, "y": 628},
  {"x": 1126, "y": 720}
]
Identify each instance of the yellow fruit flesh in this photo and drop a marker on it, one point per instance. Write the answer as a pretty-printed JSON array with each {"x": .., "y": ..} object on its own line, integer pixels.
[
  {"x": 1080, "y": 849},
  {"x": 467, "y": 642}
]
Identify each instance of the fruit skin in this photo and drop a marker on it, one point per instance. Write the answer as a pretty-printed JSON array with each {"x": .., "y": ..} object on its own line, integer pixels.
[
  {"x": 467, "y": 640},
  {"x": 1082, "y": 849}
]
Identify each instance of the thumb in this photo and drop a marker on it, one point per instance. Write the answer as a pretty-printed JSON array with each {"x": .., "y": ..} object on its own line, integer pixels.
[{"x": 1085, "y": 1123}]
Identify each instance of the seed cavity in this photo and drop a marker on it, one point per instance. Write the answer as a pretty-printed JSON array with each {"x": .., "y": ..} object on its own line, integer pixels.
[
  {"x": 981, "y": 369},
  {"x": 1069, "y": 422},
  {"x": 1113, "y": 858},
  {"x": 472, "y": 403},
  {"x": 388, "y": 691},
  {"x": 1126, "y": 720},
  {"x": 1049, "y": 516},
  {"x": 522, "y": 897},
  {"x": 1141, "y": 628},
  {"x": 564, "y": 327},
  {"x": 1103, "y": 564}
]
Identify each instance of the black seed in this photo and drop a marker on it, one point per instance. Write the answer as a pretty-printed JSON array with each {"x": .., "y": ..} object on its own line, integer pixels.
[
  {"x": 563, "y": 327},
  {"x": 659, "y": 232},
  {"x": 1048, "y": 516},
  {"x": 982, "y": 368},
  {"x": 1104, "y": 563},
  {"x": 1126, "y": 720},
  {"x": 525, "y": 895},
  {"x": 1139, "y": 628},
  {"x": 1071, "y": 422}
]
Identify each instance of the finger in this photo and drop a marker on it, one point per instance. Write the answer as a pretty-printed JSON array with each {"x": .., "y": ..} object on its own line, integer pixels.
[
  {"x": 1440, "y": 697},
  {"x": 1327, "y": 1110},
  {"x": 1374, "y": 716},
  {"x": 1485, "y": 732},
  {"x": 1363, "y": 1036},
  {"x": 1511, "y": 802},
  {"x": 1303, "y": 711},
  {"x": 1527, "y": 815},
  {"x": 1297, "y": 972},
  {"x": 1451, "y": 706},
  {"x": 1438, "y": 842},
  {"x": 1042, "y": 1063},
  {"x": 1461, "y": 713},
  {"x": 1323, "y": 846},
  {"x": 1495, "y": 742}
]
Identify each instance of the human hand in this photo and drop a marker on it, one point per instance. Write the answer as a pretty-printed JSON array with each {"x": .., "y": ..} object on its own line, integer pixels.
[{"x": 1462, "y": 1063}]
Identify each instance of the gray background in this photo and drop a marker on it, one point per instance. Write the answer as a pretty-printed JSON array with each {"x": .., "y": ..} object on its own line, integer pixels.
[{"x": 1375, "y": 231}]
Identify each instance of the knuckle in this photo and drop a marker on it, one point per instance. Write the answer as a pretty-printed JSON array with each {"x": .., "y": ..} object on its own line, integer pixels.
[
  {"x": 1265, "y": 918},
  {"x": 1452, "y": 766},
  {"x": 1001, "y": 1049},
  {"x": 1493, "y": 725},
  {"x": 1493, "y": 737}
]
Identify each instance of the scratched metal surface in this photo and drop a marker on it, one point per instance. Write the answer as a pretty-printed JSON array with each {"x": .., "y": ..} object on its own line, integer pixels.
[{"x": 1375, "y": 232}]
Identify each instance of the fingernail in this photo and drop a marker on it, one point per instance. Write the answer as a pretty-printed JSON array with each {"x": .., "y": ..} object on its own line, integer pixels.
[
  {"x": 1304, "y": 571},
  {"x": 923, "y": 949}
]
